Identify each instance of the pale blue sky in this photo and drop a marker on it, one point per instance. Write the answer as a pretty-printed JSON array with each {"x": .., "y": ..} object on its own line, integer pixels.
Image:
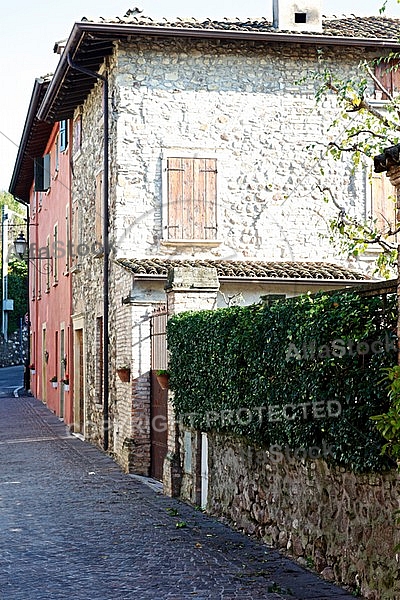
[{"x": 29, "y": 29}]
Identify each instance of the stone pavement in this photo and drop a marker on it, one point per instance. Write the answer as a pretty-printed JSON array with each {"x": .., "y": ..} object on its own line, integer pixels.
[{"x": 73, "y": 526}]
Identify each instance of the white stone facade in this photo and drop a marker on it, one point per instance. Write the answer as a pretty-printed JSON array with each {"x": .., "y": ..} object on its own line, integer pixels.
[
  {"x": 241, "y": 104},
  {"x": 238, "y": 103}
]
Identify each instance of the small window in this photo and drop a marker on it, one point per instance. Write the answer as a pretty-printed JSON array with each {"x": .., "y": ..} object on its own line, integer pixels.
[
  {"x": 63, "y": 136},
  {"x": 48, "y": 265},
  {"x": 99, "y": 360},
  {"x": 300, "y": 17},
  {"x": 99, "y": 208},
  {"x": 388, "y": 73},
  {"x": 42, "y": 173},
  {"x": 68, "y": 238},
  {"x": 192, "y": 199},
  {"x": 383, "y": 203},
  {"x": 77, "y": 134},
  {"x": 56, "y": 156},
  {"x": 55, "y": 254}
]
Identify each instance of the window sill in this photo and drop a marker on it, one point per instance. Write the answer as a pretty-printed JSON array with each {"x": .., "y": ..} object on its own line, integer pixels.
[
  {"x": 75, "y": 269},
  {"x": 190, "y": 243}
]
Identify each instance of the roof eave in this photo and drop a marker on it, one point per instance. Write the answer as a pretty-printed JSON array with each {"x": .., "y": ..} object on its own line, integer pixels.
[
  {"x": 301, "y": 38},
  {"x": 29, "y": 121},
  {"x": 116, "y": 31},
  {"x": 260, "y": 280}
]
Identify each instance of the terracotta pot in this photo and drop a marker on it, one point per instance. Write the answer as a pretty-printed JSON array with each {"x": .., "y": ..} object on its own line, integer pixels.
[
  {"x": 163, "y": 380},
  {"x": 124, "y": 375}
]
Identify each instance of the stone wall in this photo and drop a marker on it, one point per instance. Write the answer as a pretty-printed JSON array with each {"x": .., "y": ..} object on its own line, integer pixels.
[
  {"x": 339, "y": 523},
  {"x": 240, "y": 103},
  {"x": 12, "y": 352}
]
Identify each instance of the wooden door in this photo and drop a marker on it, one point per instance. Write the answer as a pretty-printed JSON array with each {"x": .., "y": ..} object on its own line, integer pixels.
[
  {"x": 79, "y": 388},
  {"x": 159, "y": 397}
]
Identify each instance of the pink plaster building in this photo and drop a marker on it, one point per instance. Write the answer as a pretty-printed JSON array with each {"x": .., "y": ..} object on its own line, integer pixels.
[{"x": 42, "y": 180}]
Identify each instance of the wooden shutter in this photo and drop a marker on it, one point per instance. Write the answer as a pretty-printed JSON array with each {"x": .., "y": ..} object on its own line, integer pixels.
[
  {"x": 63, "y": 135},
  {"x": 41, "y": 167},
  {"x": 388, "y": 74},
  {"x": 192, "y": 198},
  {"x": 383, "y": 203}
]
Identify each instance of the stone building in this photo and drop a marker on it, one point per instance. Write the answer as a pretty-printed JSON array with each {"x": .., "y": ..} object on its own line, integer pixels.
[{"x": 190, "y": 146}]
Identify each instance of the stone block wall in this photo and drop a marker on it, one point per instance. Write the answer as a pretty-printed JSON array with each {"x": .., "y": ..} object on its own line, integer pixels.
[
  {"x": 240, "y": 103},
  {"x": 340, "y": 523},
  {"x": 12, "y": 352}
]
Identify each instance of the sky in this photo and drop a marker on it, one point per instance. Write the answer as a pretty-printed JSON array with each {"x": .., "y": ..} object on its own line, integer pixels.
[{"x": 28, "y": 31}]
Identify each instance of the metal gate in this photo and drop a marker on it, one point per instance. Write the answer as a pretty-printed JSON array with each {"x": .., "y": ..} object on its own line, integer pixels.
[{"x": 159, "y": 397}]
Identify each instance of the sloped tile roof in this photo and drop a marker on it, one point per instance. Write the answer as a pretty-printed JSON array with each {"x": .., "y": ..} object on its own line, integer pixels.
[
  {"x": 350, "y": 27},
  {"x": 246, "y": 269}
]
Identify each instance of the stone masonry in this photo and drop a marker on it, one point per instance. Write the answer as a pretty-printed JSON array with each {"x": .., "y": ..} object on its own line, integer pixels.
[
  {"x": 340, "y": 523},
  {"x": 238, "y": 102}
]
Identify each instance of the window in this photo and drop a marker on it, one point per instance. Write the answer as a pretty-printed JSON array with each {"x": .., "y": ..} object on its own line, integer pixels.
[
  {"x": 63, "y": 136},
  {"x": 56, "y": 157},
  {"x": 68, "y": 239},
  {"x": 55, "y": 253},
  {"x": 300, "y": 17},
  {"x": 77, "y": 134},
  {"x": 388, "y": 73},
  {"x": 48, "y": 265},
  {"x": 42, "y": 173},
  {"x": 191, "y": 211},
  {"x": 383, "y": 205},
  {"x": 99, "y": 360},
  {"x": 99, "y": 208}
]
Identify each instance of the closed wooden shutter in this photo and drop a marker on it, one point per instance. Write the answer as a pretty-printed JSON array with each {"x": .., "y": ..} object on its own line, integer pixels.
[
  {"x": 388, "y": 74},
  {"x": 383, "y": 202},
  {"x": 63, "y": 135},
  {"x": 192, "y": 198}
]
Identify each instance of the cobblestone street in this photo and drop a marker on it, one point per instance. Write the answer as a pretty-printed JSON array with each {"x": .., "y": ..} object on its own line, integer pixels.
[{"x": 74, "y": 526}]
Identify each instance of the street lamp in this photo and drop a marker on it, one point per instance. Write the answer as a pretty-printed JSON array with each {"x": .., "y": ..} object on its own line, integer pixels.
[{"x": 20, "y": 245}]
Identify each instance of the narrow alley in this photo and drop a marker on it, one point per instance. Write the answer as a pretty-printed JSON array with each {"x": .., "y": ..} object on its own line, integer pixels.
[{"x": 74, "y": 526}]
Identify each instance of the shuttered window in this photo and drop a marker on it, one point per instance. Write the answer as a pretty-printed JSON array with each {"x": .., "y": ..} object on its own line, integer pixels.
[
  {"x": 42, "y": 174},
  {"x": 383, "y": 202},
  {"x": 63, "y": 137},
  {"x": 388, "y": 74},
  {"x": 99, "y": 213},
  {"x": 192, "y": 199}
]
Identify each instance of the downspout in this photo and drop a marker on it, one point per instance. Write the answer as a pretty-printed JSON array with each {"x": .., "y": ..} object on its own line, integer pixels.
[
  {"x": 106, "y": 246},
  {"x": 275, "y": 14}
]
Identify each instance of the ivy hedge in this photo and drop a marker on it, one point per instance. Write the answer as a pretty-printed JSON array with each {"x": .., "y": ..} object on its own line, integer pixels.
[{"x": 299, "y": 375}]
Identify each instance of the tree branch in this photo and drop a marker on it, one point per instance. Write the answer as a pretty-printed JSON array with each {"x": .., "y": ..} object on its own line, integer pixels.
[{"x": 344, "y": 220}]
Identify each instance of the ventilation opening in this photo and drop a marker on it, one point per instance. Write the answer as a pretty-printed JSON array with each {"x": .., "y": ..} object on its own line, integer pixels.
[{"x": 300, "y": 17}]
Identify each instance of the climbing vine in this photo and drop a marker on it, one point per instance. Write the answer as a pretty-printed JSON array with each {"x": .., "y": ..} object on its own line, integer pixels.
[{"x": 304, "y": 373}]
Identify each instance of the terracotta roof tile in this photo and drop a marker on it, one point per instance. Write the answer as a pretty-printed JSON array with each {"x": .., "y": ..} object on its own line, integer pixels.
[
  {"x": 246, "y": 269},
  {"x": 351, "y": 27}
]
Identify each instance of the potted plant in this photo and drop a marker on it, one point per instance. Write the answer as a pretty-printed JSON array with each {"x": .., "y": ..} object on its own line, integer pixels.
[
  {"x": 32, "y": 369},
  {"x": 124, "y": 373},
  {"x": 163, "y": 378},
  {"x": 65, "y": 382},
  {"x": 54, "y": 381}
]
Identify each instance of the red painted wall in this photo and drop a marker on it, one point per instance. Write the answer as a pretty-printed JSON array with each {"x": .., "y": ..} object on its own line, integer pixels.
[{"x": 50, "y": 284}]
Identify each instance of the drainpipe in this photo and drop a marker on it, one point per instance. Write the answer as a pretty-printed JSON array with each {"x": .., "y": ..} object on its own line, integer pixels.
[
  {"x": 275, "y": 14},
  {"x": 106, "y": 245}
]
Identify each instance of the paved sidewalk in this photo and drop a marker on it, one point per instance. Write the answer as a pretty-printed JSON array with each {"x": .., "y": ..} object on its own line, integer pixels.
[{"x": 73, "y": 526}]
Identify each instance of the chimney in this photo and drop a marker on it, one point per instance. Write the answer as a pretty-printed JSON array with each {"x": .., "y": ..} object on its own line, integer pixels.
[{"x": 300, "y": 16}]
